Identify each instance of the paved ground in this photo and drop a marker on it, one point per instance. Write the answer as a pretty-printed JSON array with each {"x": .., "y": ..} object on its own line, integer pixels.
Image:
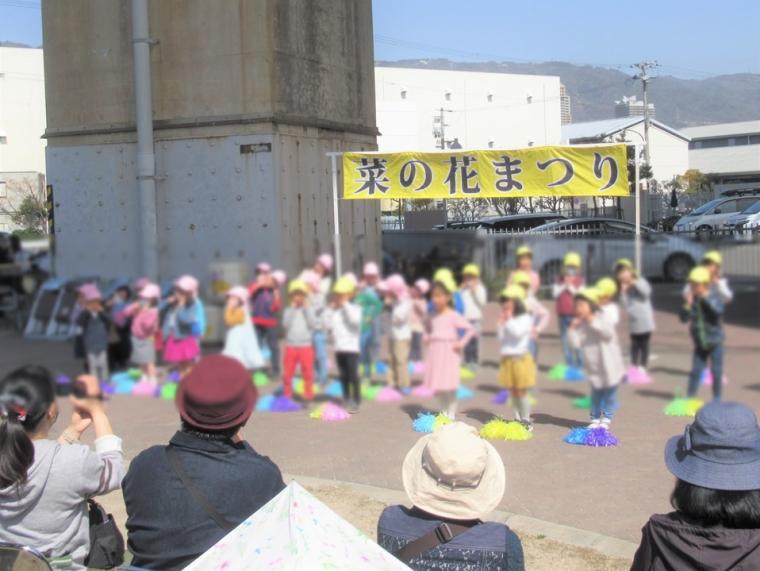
[{"x": 609, "y": 491}]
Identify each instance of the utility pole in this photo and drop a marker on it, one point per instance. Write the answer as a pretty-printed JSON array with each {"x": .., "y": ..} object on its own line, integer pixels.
[
  {"x": 439, "y": 130},
  {"x": 644, "y": 77}
]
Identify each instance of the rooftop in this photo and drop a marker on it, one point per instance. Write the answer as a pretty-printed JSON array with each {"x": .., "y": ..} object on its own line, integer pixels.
[
  {"x": 595, "y": 130},
  {"x": 723, "y": 130}
]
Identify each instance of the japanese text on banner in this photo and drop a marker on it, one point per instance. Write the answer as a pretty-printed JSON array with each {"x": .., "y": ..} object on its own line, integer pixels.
[{"x": 540, "y": 171}]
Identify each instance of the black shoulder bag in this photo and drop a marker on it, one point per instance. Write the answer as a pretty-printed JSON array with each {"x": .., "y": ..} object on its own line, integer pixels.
[
  {"x": 440, "y": 535},
  {"x": 200, "y": 499},
  {"x": 106, "y": 541}
]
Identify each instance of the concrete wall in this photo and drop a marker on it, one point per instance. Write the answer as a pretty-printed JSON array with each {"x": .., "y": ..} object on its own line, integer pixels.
[
  {"x": 22, "y": 110},
  {"x": 286, "y": 80},
  {"x": 522, "y": 110}
]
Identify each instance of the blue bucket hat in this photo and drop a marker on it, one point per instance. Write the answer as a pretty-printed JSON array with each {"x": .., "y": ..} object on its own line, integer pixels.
[{"x": 720, "y": 450}]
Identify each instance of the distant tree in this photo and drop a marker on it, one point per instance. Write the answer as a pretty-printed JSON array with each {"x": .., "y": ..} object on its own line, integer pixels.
[
  {"x": 694, "y": 180},
  {"x": 506, "y": 206},
  {"x": 25, "y": 205},
  {"x": 467, "y": 209}
]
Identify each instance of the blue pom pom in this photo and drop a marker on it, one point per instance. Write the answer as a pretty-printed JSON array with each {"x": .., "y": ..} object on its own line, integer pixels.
[
  {"x": 574, "y": 375},
  {"x": 424, "y": 422},
  {"x": 463, "y": 393},
  {"x": 334, "y": 389},
  {"x": 123, "y": 377},
  {"x": 381, "y": 368},
  {"x": 577, "y": 436},
  {"x": 265, "y": 403},
  {"x": 501, "y": 397}
]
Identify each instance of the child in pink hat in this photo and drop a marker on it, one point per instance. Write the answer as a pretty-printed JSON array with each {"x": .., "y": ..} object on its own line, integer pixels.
[
  {"x": 180, "y": 325},
  {"x": 371, "y": 304},
  {"x": 95, "y": 325},
  {"x": 266, "y": 303},
  {"x": 145, "y": 325},
  {"x": 400, "y": 337}
]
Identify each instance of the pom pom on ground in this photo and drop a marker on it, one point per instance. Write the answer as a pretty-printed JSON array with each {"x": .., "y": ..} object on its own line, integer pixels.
[
  {"x": 299, "y": 387},
  {"x": 501, "y": 397},
  {"x": 466, "y": 374},
  {"x": 135, "y": 374},
  {"x": 422, "y": 391},
  {"x": 334, "y": 389},
  {"x": 381, "y": 368},
  {"x": 429, "y": 422},
  {"x": 123, "y": 377},
  {"x": 557, "y": 372},
  {"x": 334, "y": 413},
  {"x": 123, "y": 387},
  {"x": 637, "y": 376},
  {"x": 64, "y": 380},
  {"x": 174, "y": 376},
  {"x": 260, "y": 379},
  {"x": 369, "y": 392},
  {"x": 388, "y": 394},
  {"x": 107, "y": 388},
  {"x": 144, "y": 389},
  {"x": 284, "y": 404},
  {"x": 582, "y": 403},
  {"x": 169, "y": 391},
  {"x": 441, "y": 420},
  {"x": 500, "y": 429},
  {"x": 683, "y": 407},
  {"x": 463, "y": 393},
  {"x": 574, "y": 375},
  {"x": 595, "y": 437},
  {"x": 265, "y": 403}
]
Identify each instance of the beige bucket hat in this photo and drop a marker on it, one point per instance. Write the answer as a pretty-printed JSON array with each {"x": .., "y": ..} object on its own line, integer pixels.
[{"x": 455, "y": 474}]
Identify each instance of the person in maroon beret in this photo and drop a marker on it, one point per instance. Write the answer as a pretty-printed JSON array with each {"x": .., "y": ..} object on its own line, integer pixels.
[{"x": 183, "y": 498}]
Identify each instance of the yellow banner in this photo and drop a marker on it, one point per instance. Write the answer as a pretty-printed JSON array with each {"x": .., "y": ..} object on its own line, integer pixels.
[{"x": 536, "y": 171}]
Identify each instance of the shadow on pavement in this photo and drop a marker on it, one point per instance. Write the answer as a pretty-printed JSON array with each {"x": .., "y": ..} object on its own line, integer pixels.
[
  {"x": 649, "y": 393},
  {"x": 489, "y": 364},
  {"x": 669, "y": 371},
  {"x": 755, "y": 387},
  {"x": 489, "y": 388},
  {"x": 412, "y": 410},
  {"x": 479, "y": 414},
  {"x": 541, "y": 418},
  {"x": 569, "y": 393}
]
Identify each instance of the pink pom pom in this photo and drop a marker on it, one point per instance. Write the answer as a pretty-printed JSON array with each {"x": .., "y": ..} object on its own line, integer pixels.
[
  {"x": 388, "y": 394},
  {"x": 419, "y": 368},
  {"x": 334, "y": 413},
  {"x": 144, "y": 389},
  {"x": 638, "y": 376},
  {"x": 423, "y": 391}
]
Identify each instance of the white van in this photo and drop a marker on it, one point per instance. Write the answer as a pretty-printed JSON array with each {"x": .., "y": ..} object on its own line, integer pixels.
[
  {"x": 713, "y": 215},
  {"x": 747, "y": 221}
]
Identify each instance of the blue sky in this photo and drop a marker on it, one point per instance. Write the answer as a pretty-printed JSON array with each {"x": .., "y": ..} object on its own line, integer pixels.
[{"x": 690, "y": 38}]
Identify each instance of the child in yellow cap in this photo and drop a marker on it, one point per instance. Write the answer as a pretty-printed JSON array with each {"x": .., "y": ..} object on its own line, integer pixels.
[
  {"x": 712, "y": 260},
  {"x": 524, "y": 263},
  {"x": 596, "y": 337},
  {"x": 343, "y": 319},
  {"x": 703, "y": 310},
  {"x": 473, "y": 294},
  {"x": 569, "y": 282},
  {"x": 607, "y": 289},
  {"x": 299, "y": 322},
  {"x": 517, "y": 371},
  {"x": 538, "y": 312}
]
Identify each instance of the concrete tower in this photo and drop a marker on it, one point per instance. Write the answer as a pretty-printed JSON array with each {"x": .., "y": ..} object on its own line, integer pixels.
[{"x": 247, "y": 97}]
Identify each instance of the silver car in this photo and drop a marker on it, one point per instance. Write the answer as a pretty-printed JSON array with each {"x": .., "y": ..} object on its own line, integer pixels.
[{"x": 602, "y": 241}]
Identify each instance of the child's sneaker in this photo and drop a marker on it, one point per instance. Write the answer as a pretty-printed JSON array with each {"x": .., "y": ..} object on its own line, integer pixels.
[
  {"x": 528, "y": 424},
  {"x": 596, "y": 423},
  {"x": 606, "y": 423}
]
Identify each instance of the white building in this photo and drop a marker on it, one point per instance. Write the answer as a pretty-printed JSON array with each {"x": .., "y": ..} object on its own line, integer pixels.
[
  {"x": 728, "y": 153},
  {"x": 22, "y": 124},
  {"x": 479, "y": 110},
  {"x": 632, "y": 107}
]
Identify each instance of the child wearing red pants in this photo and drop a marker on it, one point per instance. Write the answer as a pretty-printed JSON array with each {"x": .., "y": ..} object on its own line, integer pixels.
[{"x": 299, "y": 322}]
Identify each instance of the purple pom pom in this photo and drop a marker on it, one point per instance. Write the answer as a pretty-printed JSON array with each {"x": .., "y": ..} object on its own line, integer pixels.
[
  {"x": 284, "y": 404},
  {"x": 107, "y": 388},
  {"x": 63, "y": 380},
  {"x": 600, "y": 437},
  {"x": 501, "y": 397}
]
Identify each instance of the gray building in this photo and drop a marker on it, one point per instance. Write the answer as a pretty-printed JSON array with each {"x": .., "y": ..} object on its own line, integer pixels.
[
  {"x": 247, "y": 97},
  {"x": 632, "y": 107}
]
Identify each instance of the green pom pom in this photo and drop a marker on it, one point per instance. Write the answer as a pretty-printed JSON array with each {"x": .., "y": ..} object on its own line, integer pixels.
[
  {"x": 558, "y": 372},
  {"x": 260, "y": 379},
  {"x": 369, "y": 392},
  {"x": 169, "y": 391},
  {"x": 135, "y": 374},
  {"x": 683, "y": 407},
  {"x": 583, "y": 402}
]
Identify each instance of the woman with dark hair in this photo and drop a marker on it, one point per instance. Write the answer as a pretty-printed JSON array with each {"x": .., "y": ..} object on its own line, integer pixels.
[
  {"x": 716, "y": 524},
  {"x": 45, "y": 484}
]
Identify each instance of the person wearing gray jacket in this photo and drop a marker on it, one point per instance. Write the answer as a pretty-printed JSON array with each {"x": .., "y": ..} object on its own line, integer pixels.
[
  {"x": 45, "y": 484},
  {"x": 300, "y": 323},
  {"x": 636, "y": 301}
]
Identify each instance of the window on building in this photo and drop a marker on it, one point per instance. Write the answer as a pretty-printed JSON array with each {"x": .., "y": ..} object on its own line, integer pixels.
[
  {"x": 447, "y": 95},
  {"x": 403, "y": 94},
  {"x": 490, "y": 97},
  {"x": 754, "y": 139}
]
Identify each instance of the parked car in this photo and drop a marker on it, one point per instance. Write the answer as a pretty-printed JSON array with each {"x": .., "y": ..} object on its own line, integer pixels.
[
  {"x": 602, "y": 241},
  {"x": 711, "y": 216},
  {"x": 747, "y": 222},
  {"x": 519, "y": 222},
  {"x": 458, "y": 225}
]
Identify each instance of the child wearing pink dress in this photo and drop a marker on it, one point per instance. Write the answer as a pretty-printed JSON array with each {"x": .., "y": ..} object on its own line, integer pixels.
[{"x": 447, "y": 332}]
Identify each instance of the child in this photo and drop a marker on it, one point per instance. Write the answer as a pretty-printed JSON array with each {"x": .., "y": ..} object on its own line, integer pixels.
[
  {"x": 539, "y": 313},
  {"x": 636, "y": 300},
  {"x": 595, "y": 336},
  {"x": 517, "y": 371},
  {"x": 119, "y": 349},
  {"x": 607, "y": 290},
  {"x": 144, "y": 326},
  {"x": 266, "y": 303},
  {"x": 344, "y": 319},
  {"x": 474, "y": 297},
  {"x": 417, "y": 318},
  {"x": 318, "y": 304},
  {"x": 240, "y": 342},
  {"x": 444, "y": 343},
  {"x": 371, "y": 306},
  {"x": 299, "y": 322},
  {"x": 79, "y": 353},
  {"x": 322, "y": 267},
  {"x": 524, "y": 263},
  {"x": 568, "y": 284},
  {"x": 703, "y": 310},
  {"x": 95, "y": 325},
  {"x": 400, "y": 338},
  {"x": 179, "y": 323}
]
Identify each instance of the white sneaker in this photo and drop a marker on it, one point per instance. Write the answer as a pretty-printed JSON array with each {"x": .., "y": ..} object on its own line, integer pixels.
[
  {"x": 606, "y": 423},
  {"x": 596, "y": 423}
]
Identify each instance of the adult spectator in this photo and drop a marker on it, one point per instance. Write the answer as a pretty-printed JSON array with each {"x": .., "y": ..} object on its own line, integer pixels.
[
  {"x": 716, "y": 524},
  {"x": 183, "y": 498},
  {"x": 453, "y": 479},
  {"x": 45, "y": 484}
]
